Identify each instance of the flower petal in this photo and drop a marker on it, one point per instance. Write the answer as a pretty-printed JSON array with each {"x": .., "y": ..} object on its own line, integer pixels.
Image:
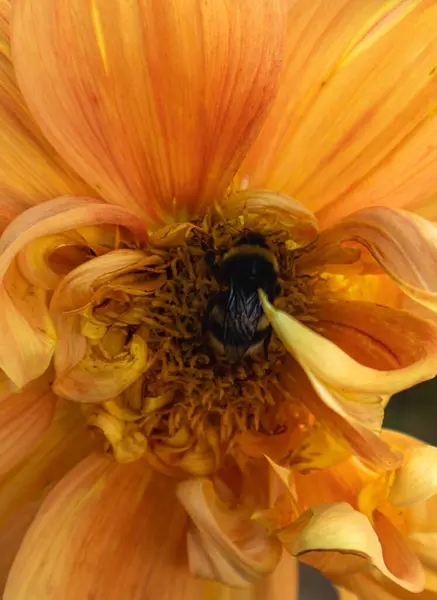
[
  {"x": 76, "y": 366},
  {"x": 404, "y": 244},
  {"x": 31, "y": 170},
  {"x": 416, "y": 480},
  {"x": 327, "y": 362},
  {"x": 364, "y": 586},
  {"x": 24, "y": 419},
  {"x": 343, "y": 134},
  {"x": 106, "y": 529},
  {"x": 378, "y": 337},
  {"x": 27, "y": 331},
  {"x": 341, "y": 529},
  {"x": 350, "y": 422},
  {"x": 200, "y": 77},
  {"x": 11, "y": 535},
  {"x": 266, "y": 210},
  {"x": 226, "y": 544}
]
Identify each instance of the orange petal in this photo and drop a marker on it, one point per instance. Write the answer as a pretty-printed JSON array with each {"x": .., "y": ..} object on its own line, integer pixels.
[
  {"x": 31, "y": 171},
  {"x": 156, "y": 149},
  {"x": 404, "y": 244},
  {"x": 364, "y": 586},
  {"x": 27, "y": 331},
  {"x": 340, "y": 529},
  {"x": 328, "y": 363},
  {"x": 376, "y": 336},
  {"x": 24, "y": 419},
  {"x": 67, "y": 441},
  {"x": 105, "y": 529},
  {"x": 226, "y": 544},
  {"x": 11, "y": 536},
  {"x": 416, "y": 480},
  {"x": 343, "y": 134}
]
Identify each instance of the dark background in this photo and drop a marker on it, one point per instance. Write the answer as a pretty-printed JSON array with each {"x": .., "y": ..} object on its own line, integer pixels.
[{"x": 413, "y": 412}]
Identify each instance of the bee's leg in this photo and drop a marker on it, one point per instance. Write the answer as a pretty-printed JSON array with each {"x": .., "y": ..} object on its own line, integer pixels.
[{"x": 266, "y": 343}]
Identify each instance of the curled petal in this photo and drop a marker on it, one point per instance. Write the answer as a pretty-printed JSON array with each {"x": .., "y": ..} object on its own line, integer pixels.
[
  {"x": 266, "y": 210},
  {"x": 404, "y": 245},
  {"x": 226, "y": 545},
  {"x": 120, "y": 528},
  {"x": 152, "y": 150},
  {"x": 343, "y": 134},
  {"x": 70, "y": 298},
  {"x": 96, "y": 380},
  {"x": 330, "y": 364},
  {"x": 31, "y": 170},
  {"x": 24, "y": 321},
  {"x": 339, "y": 528},
  {"x": 24, "y": 419}
]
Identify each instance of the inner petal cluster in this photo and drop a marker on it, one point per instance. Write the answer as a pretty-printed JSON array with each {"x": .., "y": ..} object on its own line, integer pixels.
[{"x": 186, "y": 404}]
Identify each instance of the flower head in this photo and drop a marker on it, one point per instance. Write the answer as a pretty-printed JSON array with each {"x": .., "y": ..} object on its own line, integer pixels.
[{"x": 143, "y": 204}]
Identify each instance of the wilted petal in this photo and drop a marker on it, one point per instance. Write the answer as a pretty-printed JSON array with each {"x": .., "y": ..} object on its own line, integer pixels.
[
  {"x": 269, "y": 211},
  {"x": 328, "y": 363},
  {"x": 200, "y": 77},
  {"x": 342, "y": 133},
  {"x": 404, "y": 245},
  {"x": 103, "y": 530},
  {"x": 342, "y": 530},
  {"x": 30, "y": 169},
  {"x": 226, "y": 545},
  {"x": 24, "y": 419}
]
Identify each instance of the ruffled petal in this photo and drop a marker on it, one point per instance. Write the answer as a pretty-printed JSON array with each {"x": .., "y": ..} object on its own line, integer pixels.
[
  {"x": 340, "y": 529},
  {"x": 104, "y": 529},
  {"x": 404, "y": 245},
  {"x": 326, "y": 362},
  {"x": 343, "y": 134},
  {"x": 225, "y": 545},
  {"x": 416, "y": 480},
  {"x": 27, "y": 330},
  {"x": 365, "y": 587},
  {"x": 154, "y": 108},
  {"x": 31, "y": 170},
  {"x": 24, "y": 419},
  {"x": 81, "y": 375}
]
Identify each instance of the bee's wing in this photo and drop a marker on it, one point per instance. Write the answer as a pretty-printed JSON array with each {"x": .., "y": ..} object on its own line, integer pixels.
[{"x": 242, "y": 313}]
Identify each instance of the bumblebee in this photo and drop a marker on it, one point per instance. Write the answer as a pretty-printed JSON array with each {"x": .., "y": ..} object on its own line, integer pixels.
[{"x": 234, "y": 318}]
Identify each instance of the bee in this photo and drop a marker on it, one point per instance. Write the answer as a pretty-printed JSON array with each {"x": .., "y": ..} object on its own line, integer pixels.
[{"x": 234, "y": 318}]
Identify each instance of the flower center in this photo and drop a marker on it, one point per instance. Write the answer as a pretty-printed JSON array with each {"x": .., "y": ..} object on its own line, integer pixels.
[{"x": 188, "y": 405}]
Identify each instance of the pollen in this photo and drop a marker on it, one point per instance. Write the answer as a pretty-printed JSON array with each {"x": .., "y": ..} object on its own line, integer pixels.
[{"x": 187, "y": 407}]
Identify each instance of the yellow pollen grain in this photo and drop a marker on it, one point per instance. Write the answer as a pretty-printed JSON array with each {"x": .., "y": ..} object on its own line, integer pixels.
[{"x": 100, "y": 37}]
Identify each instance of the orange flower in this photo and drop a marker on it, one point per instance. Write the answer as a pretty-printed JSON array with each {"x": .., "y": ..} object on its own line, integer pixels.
[{"x": 163, "y": 133}]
